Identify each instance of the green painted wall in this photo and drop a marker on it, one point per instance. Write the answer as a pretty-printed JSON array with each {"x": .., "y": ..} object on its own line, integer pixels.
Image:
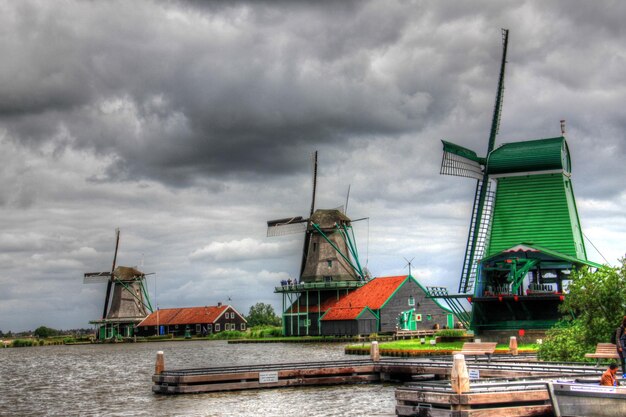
[{"x": 536, "y": 209}]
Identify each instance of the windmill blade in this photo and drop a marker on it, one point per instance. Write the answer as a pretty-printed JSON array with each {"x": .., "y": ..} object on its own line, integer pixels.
[
  {"x": 359, "y": 220},
  {"x": 108, "y": 293},
  {"x": 483, "y": 201},
  {"x": 460, "y": 162},
  {"x": 96, "y": 277},
  {"x": 314, "y": 157},
  {"x": 287, "y": 226}
]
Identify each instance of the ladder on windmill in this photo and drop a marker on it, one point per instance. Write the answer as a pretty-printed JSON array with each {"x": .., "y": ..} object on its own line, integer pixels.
[{"x": 475, "y": 252}]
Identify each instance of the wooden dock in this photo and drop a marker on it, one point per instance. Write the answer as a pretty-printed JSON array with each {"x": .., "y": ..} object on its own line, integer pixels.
[
  {"x": 231, "y": 378},
  {"x": 486, "y": 399}
]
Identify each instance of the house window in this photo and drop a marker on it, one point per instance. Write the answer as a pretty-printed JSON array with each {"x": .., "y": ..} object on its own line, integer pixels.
[
  {"x": 209, "y": 327},
  {"x": 176, "y": 326},
  {"x": 217, "y": 327},
  {"x": 314, "y": 247},
  {"x": 198, "y": 328},
  {"x": 429, "y": 317},
  {"x": 328, "y": 278},
  {"x": 243, "y": 326},
  {"x": 411, "y": 301},
  {"x": 329, "y": 263}
]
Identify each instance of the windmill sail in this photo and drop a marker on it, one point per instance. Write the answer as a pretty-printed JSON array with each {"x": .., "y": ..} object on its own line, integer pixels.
[
  {"x": 463, "y": 162},
  {"x": 288, "y": 226},
  {"x": 475, "y": 248},
  {"x": 460, "y": 162},
  {"x": 96, "y": 277}
]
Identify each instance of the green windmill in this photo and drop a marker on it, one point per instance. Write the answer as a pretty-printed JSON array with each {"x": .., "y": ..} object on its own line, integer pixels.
[{"x": 524, "y": 237}]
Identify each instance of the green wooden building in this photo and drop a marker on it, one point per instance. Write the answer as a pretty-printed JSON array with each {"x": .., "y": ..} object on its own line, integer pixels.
[
  {"x": 529, "y": 238},
  {"x": 524, "y": 237}
]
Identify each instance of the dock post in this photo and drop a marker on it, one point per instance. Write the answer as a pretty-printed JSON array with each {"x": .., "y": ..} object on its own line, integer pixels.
[
  {"x": 459, "y": 379},
  {"x": 374, "y": 351},
  {"x": 513, "y": 346},
  {"x": 159, "y": 367}
]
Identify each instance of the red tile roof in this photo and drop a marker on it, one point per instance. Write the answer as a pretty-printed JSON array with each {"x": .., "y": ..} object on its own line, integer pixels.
[
  {"x": 336, "y": 313},
  {"x": 373, "y": 294},
  {"x": 186, "y": 315}
]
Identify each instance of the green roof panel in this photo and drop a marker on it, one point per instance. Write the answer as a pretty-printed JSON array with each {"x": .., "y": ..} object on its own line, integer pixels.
[{"x": 530, "y": 156}]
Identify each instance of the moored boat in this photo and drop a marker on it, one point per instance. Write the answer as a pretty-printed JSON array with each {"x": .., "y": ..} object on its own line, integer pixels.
[{"x": 573, "y": 399}]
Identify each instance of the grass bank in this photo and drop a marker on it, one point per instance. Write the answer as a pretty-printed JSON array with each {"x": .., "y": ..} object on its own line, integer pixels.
[{"x": 414, "y": 347}]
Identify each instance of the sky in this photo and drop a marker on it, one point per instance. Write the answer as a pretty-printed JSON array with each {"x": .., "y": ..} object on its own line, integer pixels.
[{"x": 188, "y": 125}]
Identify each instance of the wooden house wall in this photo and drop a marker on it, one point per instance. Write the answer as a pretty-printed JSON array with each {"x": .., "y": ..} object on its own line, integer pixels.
[
  {"x": 180, "y": 329},
  {"x": 399, "y": 302}
]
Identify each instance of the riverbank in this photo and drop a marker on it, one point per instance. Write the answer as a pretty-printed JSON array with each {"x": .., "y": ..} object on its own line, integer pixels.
[{"x": 426, "y": 347}]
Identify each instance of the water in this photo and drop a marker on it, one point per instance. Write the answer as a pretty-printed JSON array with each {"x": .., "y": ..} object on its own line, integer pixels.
[{"x": 115, "y": 380}]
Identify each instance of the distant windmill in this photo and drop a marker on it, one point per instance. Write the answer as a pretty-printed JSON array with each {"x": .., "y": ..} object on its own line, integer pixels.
[
  {"x": 329, "y": 252},
  {"x": 126, "y": 298}
]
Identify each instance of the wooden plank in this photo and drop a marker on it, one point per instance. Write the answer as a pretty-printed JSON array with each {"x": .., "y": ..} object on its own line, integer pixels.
[
  {"x": 409, "y": 411},
  {"x": 234, "y": 386},
  {"x": 326, "y": 371},
  {"x": 415, "y": 396},
  {"x": 504, "y": 397},
  {"x": 521, "y": 411},
  {"x": 191, "y": 379}
]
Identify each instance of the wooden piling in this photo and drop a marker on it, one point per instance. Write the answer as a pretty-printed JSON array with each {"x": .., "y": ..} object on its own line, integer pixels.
[
  {"x": 513, "y": 346},
  {"x": 459, "y": 379},
  {"x": 159, "y": 367},
  {"x": 375, "y": 352}
]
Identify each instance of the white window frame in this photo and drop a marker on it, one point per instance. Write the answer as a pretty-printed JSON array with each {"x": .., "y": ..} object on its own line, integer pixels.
[
  {"x": 217, "y": 327},
  {"x": 243, "y": 326}
]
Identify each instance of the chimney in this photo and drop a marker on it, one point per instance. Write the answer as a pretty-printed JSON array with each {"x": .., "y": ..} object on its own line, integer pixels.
[{"x": 219, "y": 304}]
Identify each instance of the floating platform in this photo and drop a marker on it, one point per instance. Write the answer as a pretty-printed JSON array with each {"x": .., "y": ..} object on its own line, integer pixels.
[
  {"x": 485, "y": 399},
  {"x": 186, "y": 381}
]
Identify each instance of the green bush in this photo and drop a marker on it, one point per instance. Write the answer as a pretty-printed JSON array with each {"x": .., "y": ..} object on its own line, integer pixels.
[
  {"x": 260, "y": 332},
  {"x": 567, "y": 341},
  {"x": 451, "y": 333},
  {"x": 229, "y": 334},
  {"x": 592, "y": 310},
  {"x": 23, "y": 342}
]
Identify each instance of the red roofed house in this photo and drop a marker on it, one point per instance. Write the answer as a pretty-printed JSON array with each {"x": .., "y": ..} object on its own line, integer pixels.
[
  {"x": 192, "y": 321},
  {"x": 383, "y": 300}
]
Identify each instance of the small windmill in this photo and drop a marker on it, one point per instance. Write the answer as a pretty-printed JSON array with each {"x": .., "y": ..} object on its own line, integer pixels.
[
  {"x": 129, "y": 301},
  {"x": 329, "y": 252}
]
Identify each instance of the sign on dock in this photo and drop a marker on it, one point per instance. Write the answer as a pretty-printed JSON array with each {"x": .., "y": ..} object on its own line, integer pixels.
[{"x": 268, "y": 377}]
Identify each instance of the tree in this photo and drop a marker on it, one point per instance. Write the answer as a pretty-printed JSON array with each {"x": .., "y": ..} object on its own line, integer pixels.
[
  {"x": 43, "y": 332},
  {"x": 593, "y": 309},
  {"x": 262, "y": 314}
]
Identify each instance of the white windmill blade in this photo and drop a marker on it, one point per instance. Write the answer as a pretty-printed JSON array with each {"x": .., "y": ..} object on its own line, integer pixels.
[
  {"x": 96, "y": 277},
  {"x": 286, "y": 226}
]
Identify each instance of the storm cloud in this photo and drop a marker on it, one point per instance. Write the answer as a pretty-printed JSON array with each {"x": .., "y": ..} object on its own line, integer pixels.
[{"x": 189, "y": 124}]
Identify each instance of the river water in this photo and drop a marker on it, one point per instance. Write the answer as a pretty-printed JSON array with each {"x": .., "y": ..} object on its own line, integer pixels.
[{"x": 115, "y": 380}]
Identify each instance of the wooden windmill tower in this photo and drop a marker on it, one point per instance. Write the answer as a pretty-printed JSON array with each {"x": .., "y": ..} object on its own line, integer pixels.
[
  {"x": 126, "y": 300},
  {"x": 329, "y": 262},
  {"x": 524, "y": 236}
]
